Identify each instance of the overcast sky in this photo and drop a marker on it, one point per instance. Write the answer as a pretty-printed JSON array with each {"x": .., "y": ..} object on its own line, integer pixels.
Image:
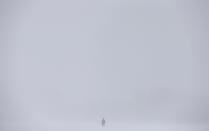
[{"x": 81, "y": 60}]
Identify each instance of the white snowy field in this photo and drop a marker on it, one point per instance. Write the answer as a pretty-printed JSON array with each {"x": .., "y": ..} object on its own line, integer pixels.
[{"x": 110, "y": 127}]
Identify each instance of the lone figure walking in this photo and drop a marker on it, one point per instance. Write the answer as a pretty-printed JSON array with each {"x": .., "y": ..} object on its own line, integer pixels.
[{"x": 103, "y": 122}]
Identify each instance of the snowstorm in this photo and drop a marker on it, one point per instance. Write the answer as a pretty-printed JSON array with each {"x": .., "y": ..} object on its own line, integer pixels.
[{"x": 104, "y": 65}]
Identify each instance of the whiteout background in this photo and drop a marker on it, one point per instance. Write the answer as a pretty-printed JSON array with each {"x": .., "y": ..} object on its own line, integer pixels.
[{"x": 141, "y": 64}]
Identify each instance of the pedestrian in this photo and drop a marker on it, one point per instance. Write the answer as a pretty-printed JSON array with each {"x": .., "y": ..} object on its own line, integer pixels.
[{"x": 103, "y": 122}]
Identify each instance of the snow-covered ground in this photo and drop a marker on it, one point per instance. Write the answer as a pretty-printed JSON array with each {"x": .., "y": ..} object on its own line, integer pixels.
[{"x": 110, "y": 127}]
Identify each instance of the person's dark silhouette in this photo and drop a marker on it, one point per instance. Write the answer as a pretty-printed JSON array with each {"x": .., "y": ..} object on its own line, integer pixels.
[{"x": 103, "y": 122}]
